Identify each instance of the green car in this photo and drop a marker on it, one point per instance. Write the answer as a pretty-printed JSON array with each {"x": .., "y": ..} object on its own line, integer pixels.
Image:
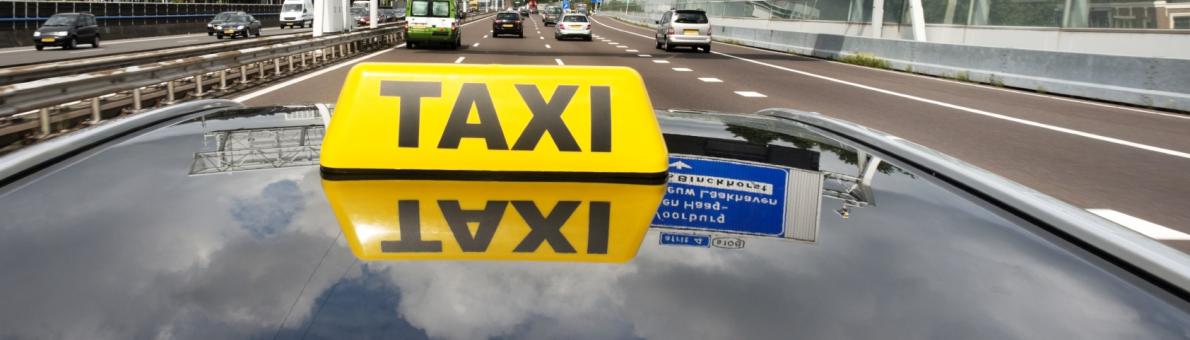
[{"x": 432, "y": 21}]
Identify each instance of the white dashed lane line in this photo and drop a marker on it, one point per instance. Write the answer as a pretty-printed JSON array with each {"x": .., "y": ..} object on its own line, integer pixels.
[
  {"x": 621, "y": 46},
  {"x": 681, "y": 69},
  {"x": 485, "y": 36},
  {"x": 548, "y": 46},
  {"x": 542, "y": 38},
  {"x": 710, "y": 80},
  {"x": 631, "y": 51},
  {"x": 475, "y": 45},
  {"x": 751, "y": 94},
  {"x": 645, "y": 55},
  {"x": 661, "y": 61},
  {"x": 559, "y": 61},
  {"x": 460, "y": 60}
]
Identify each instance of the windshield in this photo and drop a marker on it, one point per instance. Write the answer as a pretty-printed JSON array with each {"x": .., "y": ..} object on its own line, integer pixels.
[
  {"x": 508, "y": 16},
  {"x": 291, "y": 8},
  {"x": 61, "y": 20},
  {"x": 574, "y": 18},
  {"x": 690, "y": 17},
  {"x": 424, "y": 8},
  {"x": 554, "y": 10},
  {"x": 237, "y": 19},
  {"x": 222, "y": 16},
  {"x": 359, "y": 11}
]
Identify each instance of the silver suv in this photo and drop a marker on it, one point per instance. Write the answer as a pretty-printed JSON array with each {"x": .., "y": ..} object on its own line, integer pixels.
[{"x": 684, "y": 28}]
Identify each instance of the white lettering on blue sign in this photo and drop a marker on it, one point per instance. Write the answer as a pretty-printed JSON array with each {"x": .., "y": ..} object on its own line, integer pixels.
[{"x": 724, "y": 196}]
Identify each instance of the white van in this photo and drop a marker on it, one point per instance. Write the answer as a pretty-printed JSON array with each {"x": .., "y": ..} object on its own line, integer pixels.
[{"x": 297, "y": 13}]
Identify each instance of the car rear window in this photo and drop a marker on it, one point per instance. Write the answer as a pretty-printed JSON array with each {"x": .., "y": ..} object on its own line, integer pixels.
[
  {"x": 508, "y": 16},
  {"x": 574, "y": 18},
  {"x": 423, "y": 8},
  {"x": 690, "y": 17}
]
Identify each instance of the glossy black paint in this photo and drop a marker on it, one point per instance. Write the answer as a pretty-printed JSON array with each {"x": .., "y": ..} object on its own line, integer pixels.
[{"x": 126, "y": 243}]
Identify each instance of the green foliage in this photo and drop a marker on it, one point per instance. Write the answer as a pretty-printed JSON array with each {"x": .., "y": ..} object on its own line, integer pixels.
[
  {"x": 996, "y": 81},
  {"x": 963, "y": 76},
  {"x": 865, "y": 59}
]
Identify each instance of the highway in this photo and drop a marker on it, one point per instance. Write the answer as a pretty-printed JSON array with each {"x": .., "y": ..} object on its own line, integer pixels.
[
  {"x": 26, "y": 54},
  {"x": 1093, "y": 155}
]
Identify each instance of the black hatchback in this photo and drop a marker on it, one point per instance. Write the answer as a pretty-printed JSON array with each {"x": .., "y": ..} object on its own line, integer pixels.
[
  {"x": 508, "y": 23},
  {"x": 67, "y": 30}
]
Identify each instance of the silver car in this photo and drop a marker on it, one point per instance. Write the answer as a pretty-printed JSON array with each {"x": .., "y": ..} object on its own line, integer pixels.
[
  {"x": 684, "y": 28},
  {"x": 573, "y": 25}
]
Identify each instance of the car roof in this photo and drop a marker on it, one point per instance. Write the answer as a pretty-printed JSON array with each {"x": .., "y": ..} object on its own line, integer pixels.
[{"x": 190, "y": 226}]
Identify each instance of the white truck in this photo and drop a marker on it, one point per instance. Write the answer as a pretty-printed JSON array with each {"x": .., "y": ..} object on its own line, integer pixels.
[{"x": 297, "y": 13}]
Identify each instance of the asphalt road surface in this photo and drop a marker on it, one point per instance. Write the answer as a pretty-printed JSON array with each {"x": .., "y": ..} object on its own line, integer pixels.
[
  {"x": 1093, "y": 155},
  {"x": 27, "y": 54}
]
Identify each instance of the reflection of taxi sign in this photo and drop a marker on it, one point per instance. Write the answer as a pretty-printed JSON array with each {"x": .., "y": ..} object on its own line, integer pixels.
[
  {"x": 536, "y": 123},
  {"x": 481, "y": 220}
]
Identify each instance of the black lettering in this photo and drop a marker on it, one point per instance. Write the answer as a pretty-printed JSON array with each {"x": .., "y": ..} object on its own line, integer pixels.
[
  {"x": 473, "y": 95},
  {"x": 410, "y": 220},
  {"x": 545, "y": 229},
  {"x": 601, "y": 119},
  {"x": 547, "y": 117},
  {"x": 488, "y": 219},
  {"x": 409, "y": 117},
  {"x": 597, "y": 226}
]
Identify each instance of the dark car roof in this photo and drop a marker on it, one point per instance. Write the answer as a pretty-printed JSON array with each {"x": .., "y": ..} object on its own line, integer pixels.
[{"x": 215, "y": 225}]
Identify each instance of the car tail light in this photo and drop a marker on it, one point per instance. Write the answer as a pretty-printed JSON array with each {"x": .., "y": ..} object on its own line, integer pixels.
[
  {"x": 669, "y": 31},
  {"x": 454, "y": 25},
  {"x": 708, "y": 30},
  {"x": 588, "y": 27}
]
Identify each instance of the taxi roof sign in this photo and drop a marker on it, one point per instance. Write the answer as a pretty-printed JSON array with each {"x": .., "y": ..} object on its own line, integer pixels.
[{"x": 494, "y": 122}]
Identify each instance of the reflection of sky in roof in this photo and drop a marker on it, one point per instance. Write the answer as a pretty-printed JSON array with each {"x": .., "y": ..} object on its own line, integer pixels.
[
  {"x": 129, "y": 251},
  {"x": 268, "y": 214}
]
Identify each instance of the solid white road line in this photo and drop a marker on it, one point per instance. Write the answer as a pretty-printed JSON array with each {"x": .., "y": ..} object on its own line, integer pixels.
[
  {"x": 1150, "y": 229},
  {"x": 661, "y": 61},
  {"x": 559, "y": 61},
  {"x": 710, "y": 80},
  {"x": 750, "y": 94},
  {"x": 1055, "y": 128},
  {"x": 681, "y": 69},
  {"x": 460, "y": 60}
]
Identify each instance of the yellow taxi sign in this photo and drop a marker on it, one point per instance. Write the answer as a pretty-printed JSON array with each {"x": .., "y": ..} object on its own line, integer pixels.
[
  {"x": 485, "y": 220},
  {"x": 513, "y": 122}
]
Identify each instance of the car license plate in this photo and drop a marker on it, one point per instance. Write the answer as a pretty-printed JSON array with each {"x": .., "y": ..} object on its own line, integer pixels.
[
  {"x": 47, "y": 39},
  {"x": 419, "y": 25},
  {"x": 690, "y": 32},
  {"x": 507, "y": 25},
  {"x": 575, "y": 27},
  {"x": 229, "y": 32}
]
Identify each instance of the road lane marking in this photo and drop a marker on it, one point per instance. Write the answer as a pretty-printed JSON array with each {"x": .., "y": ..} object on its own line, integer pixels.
[
  {"x": 559, "y": 61},
  {"x": 475, "y": 45},
  {"x": 542, "y": 38},
  {"x": 751, "y": 94},
  {"x": 645, "y": 55},
  {"x": 460, "y": 60},
  {"x": 710, "y": 80},
  {"x": 621, "y": 46},
  {"x": 681, "y": 69},
  {"x": 612, "y": 43},
  {"x": 1150, "y": 229},
  {"x": 485, "y": 36},
  {"x": 89, "y": 50},
  {"x": 661, "y": 61},
  {"x": 631, "y": 51},
  {"x": 548, "y": 46},
  {"x": 988, "y": 114}
]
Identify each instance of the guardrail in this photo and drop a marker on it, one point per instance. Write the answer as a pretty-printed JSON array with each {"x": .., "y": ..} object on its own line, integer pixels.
[
  {"x": 26, "y": 72},
  {"x": 39, "y": 109}
]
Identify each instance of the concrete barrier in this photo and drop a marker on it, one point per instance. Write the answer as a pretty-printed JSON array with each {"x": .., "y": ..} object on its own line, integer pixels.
[{"x": 1149, "y": 82}]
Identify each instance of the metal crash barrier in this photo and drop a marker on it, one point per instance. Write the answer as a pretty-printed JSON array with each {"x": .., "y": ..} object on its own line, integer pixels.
[{"x": 39, "y": 109}]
